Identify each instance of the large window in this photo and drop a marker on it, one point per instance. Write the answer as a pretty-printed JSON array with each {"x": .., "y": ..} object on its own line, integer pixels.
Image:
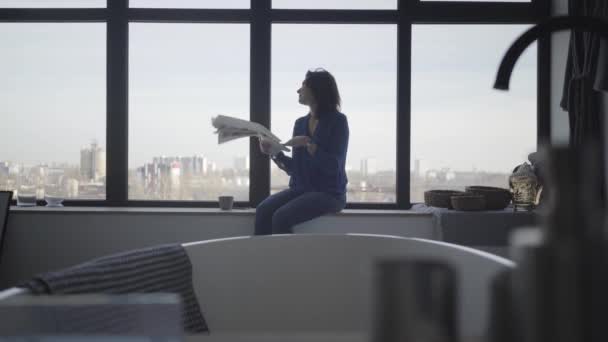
[
  {"x": 182, "y": 75},
  {"x": 365, "y": 70},
  {"x": 112, "y": 101},
  {"x": 53, "y": 112},
  {"x": 464, "y": 132}
]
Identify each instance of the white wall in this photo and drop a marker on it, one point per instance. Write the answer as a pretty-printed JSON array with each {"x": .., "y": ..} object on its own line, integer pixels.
[
  {"x": 40, "y": 240},
  {"x": 559, "y": 53}
]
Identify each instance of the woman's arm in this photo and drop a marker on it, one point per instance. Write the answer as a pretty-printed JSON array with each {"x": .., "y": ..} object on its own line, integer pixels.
[
  {"x": 283, "y": 162},
  {"x": 330, "y": 155}
]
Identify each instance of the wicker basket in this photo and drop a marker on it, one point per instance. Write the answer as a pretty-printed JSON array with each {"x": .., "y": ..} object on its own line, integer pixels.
[
  {"x": 440, "y": 198},
  {"x": 496, "y": 198},
  {"x": 468, "y": 202}
]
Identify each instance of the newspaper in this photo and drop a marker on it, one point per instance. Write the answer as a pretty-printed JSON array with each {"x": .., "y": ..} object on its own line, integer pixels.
[{"x": 231, "y": 128}]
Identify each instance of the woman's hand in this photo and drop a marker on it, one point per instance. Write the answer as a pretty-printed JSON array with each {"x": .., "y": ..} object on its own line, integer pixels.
[
  {"x": 266, "y": 147},
  {"x": 298, "y": 141},
  {"x": 311, "y": 148}
]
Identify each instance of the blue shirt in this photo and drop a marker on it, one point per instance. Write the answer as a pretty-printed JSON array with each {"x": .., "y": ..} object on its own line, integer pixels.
[{"x": 324, "y": 170}]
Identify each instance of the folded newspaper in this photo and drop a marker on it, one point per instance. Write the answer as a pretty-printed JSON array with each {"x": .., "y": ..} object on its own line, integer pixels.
[{"x": 230, "y": 128}]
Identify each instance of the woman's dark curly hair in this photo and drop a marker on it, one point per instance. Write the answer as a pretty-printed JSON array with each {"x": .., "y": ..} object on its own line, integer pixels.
[{"x": 325, "y": 91}]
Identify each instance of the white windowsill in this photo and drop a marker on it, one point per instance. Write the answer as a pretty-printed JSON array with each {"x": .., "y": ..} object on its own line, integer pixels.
[{"x": 195, "y": 211}]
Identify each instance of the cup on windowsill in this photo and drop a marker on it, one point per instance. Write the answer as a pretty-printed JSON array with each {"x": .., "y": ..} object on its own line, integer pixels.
[
  {"x": 26, "y": 200},
  {"x": 226, "y": 202},
  {"x": 26, "y": 196}
]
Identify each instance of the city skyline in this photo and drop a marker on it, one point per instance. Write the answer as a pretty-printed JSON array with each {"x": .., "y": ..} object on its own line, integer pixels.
[
  {"x": 355, "y": 165},
  {"x": 198, "y": 178}
]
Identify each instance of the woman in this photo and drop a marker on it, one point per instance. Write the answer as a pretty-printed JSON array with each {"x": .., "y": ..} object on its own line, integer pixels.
[{"x": 318, "y": 179}]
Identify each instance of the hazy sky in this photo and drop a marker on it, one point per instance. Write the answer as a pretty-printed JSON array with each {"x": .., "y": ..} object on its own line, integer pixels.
[{"x": 53, "y": 88}]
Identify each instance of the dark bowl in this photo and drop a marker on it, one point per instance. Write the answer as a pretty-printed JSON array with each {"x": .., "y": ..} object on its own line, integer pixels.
[
  {"x": 469, "y": 202},
  {"x": 496, "y": 198},
  {"x": 440, "y": 198}
]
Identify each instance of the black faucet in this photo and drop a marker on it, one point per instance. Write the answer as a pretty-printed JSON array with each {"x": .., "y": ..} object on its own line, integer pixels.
[{"x": 543, "y": 29}]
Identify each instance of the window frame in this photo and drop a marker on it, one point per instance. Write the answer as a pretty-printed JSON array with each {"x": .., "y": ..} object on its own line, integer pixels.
[{"x": 260, "y": 16}]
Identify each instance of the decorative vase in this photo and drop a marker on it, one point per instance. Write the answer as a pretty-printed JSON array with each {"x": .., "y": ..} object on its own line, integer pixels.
[{"x": 524, "y": 186}]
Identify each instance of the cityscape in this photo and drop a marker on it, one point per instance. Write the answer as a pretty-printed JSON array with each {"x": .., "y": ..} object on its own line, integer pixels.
[{"x": 197, "y": 178}]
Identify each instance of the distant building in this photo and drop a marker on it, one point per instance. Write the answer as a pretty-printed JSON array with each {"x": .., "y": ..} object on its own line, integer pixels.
[
  {"x": 200, "y": 165},
  {"x": 242, "y": 181},
  {"x": 417, "y": 168},
  {"x": 38, "y": 171},
  {"x": 195, "y": 165},
  {"x": 187, "y": 165},
  {"x": 72, "y": 188},
  {"x": 4, "y": 169},
  {"x": 241, "y": 163},
  {"x": 15, "y": 169},
  {"x": 212, "y": 166},
  {"x": 368, "y": 167},
  {"x": 175, "y": 173},
  {"x": 92, "y": 163}
]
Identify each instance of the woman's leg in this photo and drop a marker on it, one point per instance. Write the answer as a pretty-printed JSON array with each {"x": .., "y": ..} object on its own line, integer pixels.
[
  {"x": 305, "y": 207},
  {"x": 265, "y": 210}
]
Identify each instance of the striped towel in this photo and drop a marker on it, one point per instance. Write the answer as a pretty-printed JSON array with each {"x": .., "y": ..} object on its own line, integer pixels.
[{"x": 158, "y": 269}]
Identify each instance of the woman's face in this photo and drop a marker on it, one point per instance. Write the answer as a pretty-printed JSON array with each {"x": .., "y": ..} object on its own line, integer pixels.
[{"x": 305, "y": 95}]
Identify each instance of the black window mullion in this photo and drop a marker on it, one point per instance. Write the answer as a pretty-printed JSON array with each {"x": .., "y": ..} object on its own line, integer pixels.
[
  {"x": 544, "y": 91},
  {"x": 187, "y": 15},
  {"x": 117, "y": 103},
  {"x": 472, "y": 12},
  {"x": 303, "y": 16},
  {"x": 259, "y": 171},
  {"x": 404, "y": 72},
  {"x": 52, "y": 15},
  {"x": 544, "y": 79}
]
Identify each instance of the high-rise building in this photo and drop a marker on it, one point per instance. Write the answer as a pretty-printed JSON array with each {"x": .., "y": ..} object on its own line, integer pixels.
[
  {"x": 241, "y": 163},
  {"x": 4, "y": 169},
  {"x": 72, "y": 188},
  {"x": 212, "y": 166},
  {"x": 187, "y": 165},
  {"x": 200, "y": 165},
  {"x": 175, "y": 173},
  {"x": 417, "y": 168},
  {"x": 38, "y": 171},
  {"x": 368, "y": 167},
  {"x": 15, "y": 169},
  {"x": 92, "y": 163}
]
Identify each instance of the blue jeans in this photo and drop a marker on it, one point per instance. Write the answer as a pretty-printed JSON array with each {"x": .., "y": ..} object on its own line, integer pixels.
[{"x": 278, "y": 213}]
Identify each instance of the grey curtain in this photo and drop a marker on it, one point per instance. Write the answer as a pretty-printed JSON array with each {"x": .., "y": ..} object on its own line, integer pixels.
[
  {"x": 586, "y": 75},
  {"x": 586, "y": 78},
  {"x": 601, "y": 77}
]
